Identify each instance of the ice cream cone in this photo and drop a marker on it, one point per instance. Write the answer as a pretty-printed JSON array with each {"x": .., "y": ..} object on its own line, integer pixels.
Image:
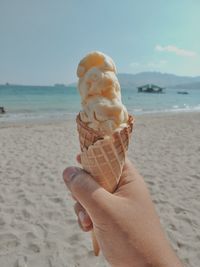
[{"x": 104, "y": 157}]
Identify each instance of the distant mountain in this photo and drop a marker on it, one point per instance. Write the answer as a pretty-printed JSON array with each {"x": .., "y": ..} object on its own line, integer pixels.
[
  {"x": 72, "y": 84},
  {"x": 134, "y": 80},
  {"x": 162, "y": 79}
]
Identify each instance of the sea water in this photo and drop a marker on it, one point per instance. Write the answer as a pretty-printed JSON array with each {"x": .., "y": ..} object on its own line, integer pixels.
[{"x": 60, "y": 102}]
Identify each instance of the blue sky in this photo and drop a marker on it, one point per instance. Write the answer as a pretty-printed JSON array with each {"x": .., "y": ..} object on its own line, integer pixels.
[{"x": 42, "y": 41}]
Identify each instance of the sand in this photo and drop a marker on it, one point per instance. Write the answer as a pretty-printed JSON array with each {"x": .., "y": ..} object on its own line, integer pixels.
[{"x": 38, "y": 227}]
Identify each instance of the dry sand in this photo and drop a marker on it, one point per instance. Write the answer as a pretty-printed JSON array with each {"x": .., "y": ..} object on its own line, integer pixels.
[{"x": 38, "y": 227}]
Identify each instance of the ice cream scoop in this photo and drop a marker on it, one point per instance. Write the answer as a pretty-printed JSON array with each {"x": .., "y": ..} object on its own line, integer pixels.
[{"x": 102, "y": 108}]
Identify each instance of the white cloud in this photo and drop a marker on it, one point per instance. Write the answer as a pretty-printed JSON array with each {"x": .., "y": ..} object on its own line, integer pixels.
[{"x": 176, "y": 50}]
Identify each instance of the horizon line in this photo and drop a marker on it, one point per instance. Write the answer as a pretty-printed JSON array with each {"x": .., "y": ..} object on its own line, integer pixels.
[{"x": 71, "y": 83}]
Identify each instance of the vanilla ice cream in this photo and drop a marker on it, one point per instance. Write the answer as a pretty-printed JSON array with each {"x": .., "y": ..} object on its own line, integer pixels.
[{"x": 102, "y": 108}]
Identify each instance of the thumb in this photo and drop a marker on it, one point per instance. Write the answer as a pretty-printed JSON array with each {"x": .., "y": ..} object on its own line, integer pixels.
[{"x": 86, "y": 190}]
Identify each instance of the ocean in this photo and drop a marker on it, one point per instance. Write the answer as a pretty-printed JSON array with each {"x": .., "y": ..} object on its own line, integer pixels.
[{"x": 27, "y": 103}]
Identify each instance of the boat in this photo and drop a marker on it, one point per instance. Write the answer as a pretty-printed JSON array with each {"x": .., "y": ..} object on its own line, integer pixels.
[
  {"x": 150, "y": 88},
  {"x": 2, "y": 110},
  {"x": 182, "y": 93}
]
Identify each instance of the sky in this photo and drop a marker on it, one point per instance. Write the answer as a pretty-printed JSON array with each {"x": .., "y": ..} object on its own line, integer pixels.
[{"x": 42, "y": 41}]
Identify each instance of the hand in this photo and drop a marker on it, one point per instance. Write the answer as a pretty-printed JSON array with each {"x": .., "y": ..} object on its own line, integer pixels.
[{"x": 125, "y": 223}]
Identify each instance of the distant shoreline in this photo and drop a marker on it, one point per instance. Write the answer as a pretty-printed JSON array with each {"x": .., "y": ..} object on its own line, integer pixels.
[
  {"x": 71, "y": 119},
  {"x": 193, "y": 86},
  {"x": 130, "y": 80},
  {"x": 27, "y": 85}
]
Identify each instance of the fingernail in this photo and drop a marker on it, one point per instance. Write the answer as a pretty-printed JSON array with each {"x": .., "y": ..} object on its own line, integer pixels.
[
  {"x": 70, "y": 173},
  {"x": 82, "y": 217}
]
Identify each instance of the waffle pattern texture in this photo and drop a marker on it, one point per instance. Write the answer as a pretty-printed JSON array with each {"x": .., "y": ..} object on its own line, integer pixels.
[{"x": 104, "y": 156}]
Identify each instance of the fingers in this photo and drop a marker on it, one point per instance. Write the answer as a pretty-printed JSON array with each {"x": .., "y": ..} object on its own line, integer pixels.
[
  {"x": 83, "y": 218},
  {"x": 88, "y": 193}
]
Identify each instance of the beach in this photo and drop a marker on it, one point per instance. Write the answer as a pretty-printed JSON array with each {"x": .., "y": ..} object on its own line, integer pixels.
[{"x": 38, "y": 226}]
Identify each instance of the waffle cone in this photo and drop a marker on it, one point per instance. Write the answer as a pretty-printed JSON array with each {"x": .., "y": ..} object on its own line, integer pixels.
[{"x": 103, "y": 157}]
